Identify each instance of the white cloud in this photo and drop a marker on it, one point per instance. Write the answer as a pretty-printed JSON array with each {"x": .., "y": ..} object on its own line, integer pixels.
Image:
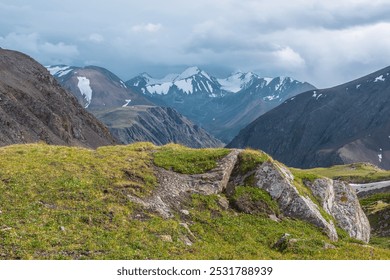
[
  {"x": 148, "y": 27},
  {"x": 288, "y": 58},
  {"x": 96, "y": 38},
  {"x": 44, "y": 51}
]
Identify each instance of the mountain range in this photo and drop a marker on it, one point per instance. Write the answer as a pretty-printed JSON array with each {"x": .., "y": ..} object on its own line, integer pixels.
[
  {"x": 343, "y": 124},
  {"x": 221, "y": 106},
  {"x": 143, "y": 201},
  {"x": 129, "y": 115}
]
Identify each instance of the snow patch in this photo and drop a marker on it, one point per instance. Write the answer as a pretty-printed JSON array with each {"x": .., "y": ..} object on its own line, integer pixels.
[
  {"x": 59, "y": 71},
  {"x": 237, "y": 81},
  {"x": 270, "y": 97},
  {"x": 159, "y": 89},
  {"x": 209, "y": 86},
  {"x": 267, "y": 80},
  {"x": 380, "y": 157},
  {"x": 358, "y": 86},
  {"x": 189, "y": 72},
  {"x": 85, "y": 89},
  {"x": 277, "y": 86},
  {"x": 185, "y": 85},
  {"x": 127, "y": 103},
  {"x": 123, "y": 84},
  {"x": 380, "y": 78}
]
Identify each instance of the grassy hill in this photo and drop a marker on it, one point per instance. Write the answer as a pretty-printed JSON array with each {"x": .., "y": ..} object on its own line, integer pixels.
[{"x": 72, "y": 203}]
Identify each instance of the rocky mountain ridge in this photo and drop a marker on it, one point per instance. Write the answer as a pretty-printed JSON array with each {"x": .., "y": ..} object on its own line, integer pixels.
[{"x": 33, "y": 107}]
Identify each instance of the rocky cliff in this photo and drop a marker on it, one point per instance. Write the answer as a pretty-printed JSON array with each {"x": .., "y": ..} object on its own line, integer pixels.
[{"x": 33, "y": 107}]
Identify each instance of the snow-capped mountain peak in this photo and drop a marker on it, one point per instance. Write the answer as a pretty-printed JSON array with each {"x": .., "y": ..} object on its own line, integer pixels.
[
  {"x": 237, "y": 81},
  {"x": 189, "y": 72},
  {"x": 191, "y": 80},
  {"x": 196, "y": 81}
]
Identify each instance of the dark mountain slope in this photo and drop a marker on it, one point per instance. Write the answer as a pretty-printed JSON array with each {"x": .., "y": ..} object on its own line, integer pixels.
[
  {"x": 33, "y": 107},
  {"x": 343, "y": 124},
  {"x": 159, "y": 125}
]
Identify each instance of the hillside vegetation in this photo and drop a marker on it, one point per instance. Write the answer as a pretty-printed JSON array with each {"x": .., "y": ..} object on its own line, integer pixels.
[
  {"x": 72, "y": 203},
  {"x": 352, "y": 173}
]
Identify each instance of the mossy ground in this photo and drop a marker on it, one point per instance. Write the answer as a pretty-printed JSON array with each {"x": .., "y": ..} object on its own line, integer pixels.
[
  {"x": 71, "y": 203},
  {"x": 187, "y": 160}
]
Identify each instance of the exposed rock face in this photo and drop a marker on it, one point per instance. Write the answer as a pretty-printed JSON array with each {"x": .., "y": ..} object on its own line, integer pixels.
[
  {"x": 337, "y": 198},
  {"x": 159, "y": 125},
  {"x": 340, "y": 201},
  {"x": 279, "y": 183},
  {"x": 33, "y": 107},
  {"x": 174, "y": 187}
]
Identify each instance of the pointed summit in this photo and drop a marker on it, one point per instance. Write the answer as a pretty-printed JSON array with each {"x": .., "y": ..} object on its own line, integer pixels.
[{"x": 189, "y": 72}]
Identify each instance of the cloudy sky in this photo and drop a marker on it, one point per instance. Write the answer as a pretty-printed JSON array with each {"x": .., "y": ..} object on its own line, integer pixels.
[{"x": 322, "y": 42}]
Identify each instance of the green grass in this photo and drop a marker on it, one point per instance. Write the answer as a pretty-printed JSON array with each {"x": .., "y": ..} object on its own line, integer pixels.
[
  {"x": 254, "y": 198},
  {"x": 249, "y": 159},
  {"x": 187, "y": 160},
  {"x": 353, "y": 173},
  {"x": 72, "y": 203},
  {"x": 226, "y": 235}
]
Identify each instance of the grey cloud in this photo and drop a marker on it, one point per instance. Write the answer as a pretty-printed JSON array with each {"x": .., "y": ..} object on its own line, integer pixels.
[{"x": 323, "y": 42}]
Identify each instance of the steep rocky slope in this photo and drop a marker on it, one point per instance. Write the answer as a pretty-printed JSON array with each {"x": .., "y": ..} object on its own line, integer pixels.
[
  {"x": 33, "y": 107},
  {"x": 344, "y": 124},
  {"x": 159, "y": 125}
]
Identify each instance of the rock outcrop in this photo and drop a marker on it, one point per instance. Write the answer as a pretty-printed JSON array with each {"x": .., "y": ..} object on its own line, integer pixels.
[
  {"x": 340, "y": 200},
  {"x": 278, "y": 181},
  {"x": 174, "y": 187},
  {"x": 333, "y": 197}
]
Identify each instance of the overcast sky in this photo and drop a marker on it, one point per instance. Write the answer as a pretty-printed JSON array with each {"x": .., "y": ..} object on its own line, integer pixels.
[{"x": 322, "y": 42}]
